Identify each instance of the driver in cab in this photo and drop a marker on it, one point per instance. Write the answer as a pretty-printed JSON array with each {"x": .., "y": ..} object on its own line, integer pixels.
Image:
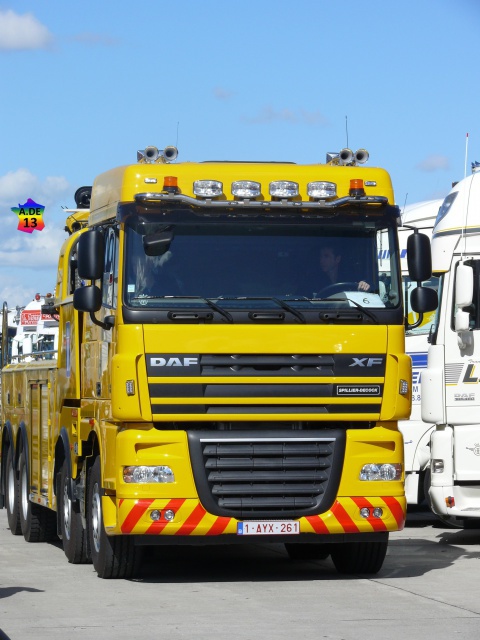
[{"x": 330, "y": 262}]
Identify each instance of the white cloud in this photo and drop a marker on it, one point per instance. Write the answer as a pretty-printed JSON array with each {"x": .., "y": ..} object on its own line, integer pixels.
[
  {"x": 28, "y": 261},
  {"x": 17, "y": 186},
  {"x": 269, "y": 114},
  {"x": 434, "y": 163},
  {"x": 22, "y": 32}
]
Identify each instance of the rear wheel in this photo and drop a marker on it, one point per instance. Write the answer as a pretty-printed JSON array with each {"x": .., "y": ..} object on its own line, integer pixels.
[
  {"x": 12, "y": 499},
  {"x": 359, "y": 557},
  {"x": 74, "y": 536},
  {"x": 38, "y": 523},
  {"x": 297, "y": 551},
  {"x": 112, "y": 556}
]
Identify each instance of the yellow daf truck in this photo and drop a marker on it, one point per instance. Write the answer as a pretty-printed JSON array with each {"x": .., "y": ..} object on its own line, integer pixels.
[{"x": 231, "y": 366}]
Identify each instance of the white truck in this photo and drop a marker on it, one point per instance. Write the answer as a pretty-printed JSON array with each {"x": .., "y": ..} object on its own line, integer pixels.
[
  {"x": 416, "y": 433},
  {"x": 451, "y": 392},
  {"x": 37, "y": 333}
]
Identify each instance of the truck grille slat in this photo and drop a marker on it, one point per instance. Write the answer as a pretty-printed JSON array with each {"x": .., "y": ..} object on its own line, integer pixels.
[
  {"x": 267, "y": 463},
  {"x": 296, "y": 475},
  {"x": 274, "y": 489}
]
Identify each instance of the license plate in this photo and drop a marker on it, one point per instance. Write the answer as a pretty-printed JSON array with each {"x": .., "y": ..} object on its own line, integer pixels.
[{"x": 266, "y": 528}]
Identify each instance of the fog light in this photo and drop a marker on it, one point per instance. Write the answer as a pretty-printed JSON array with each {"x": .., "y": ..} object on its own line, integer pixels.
[
  {"x": 365, "y": 512},
  {"x": 245, "y": 189},
  {"x": 381, "y": 471},
  {"x": 143, "y": 474},
  {"x": 322, "y": 189},
  {"x": 169, "y": 515},
  {"x": 155, "y": 514},
  {"x": 377, "y": 512},
  {"x": 283, "y": 189},
  {"x": 207, "y": 188},
  {"x": 438, "y": 466},
  {"x": 130, "y": 387}
]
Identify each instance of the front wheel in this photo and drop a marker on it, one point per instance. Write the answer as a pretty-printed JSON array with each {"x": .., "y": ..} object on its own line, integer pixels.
[
  {"x": 359, "y": 557},
  {"x": 112, "y": 556},
  {"x": 38, "y": 523},
  {"x": 12, "y": 500}
]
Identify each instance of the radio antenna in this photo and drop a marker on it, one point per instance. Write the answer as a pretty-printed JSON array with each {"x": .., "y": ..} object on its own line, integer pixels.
[
  {"x": 466, "y": 154},
  {"x": 404, "y": 205}
]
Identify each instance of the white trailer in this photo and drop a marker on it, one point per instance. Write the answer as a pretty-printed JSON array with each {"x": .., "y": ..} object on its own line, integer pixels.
[{"x": 451, "y": 391}]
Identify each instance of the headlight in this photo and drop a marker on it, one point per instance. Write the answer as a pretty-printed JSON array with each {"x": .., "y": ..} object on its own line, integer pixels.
[
  {"x": 379, "y": 471},
  {"x": 143, "y": 475}
]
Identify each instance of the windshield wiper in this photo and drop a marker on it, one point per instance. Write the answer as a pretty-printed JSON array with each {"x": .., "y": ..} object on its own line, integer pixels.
[
  {"x": 344, "y": 312},
  {"x": 207, "y": 301},
  {"x": 280, "y": 303}
]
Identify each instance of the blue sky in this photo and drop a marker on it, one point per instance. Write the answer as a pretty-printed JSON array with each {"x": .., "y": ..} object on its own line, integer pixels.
[{"x": 84, "y": 85}]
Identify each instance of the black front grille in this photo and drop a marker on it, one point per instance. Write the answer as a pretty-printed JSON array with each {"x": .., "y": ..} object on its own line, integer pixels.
[{"x": 268, "y": 474}]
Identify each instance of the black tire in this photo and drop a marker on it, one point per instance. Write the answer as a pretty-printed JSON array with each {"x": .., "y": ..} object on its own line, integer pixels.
[
  {"x": 38, "y": 523},
  {"x": 298, "y": 551},
  {"x": 12, "y": 501},
  {"x": 359, "y": 557},
  {"x": 74, "y": 536},
  {"x": 112, "y": 556}
]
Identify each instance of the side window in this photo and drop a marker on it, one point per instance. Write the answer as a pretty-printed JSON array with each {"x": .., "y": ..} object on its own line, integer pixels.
[
  {"x": 428, "y": 318},
  {"x": 73, "y": 278},
  {"x": 110, "y": 274},
  {"x": 474, "y": 308}
]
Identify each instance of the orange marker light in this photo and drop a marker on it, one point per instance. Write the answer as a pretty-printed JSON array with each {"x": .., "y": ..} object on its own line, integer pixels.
[
  {"x": 356, "y": 187},
  {"x": 170, "y": 184}
]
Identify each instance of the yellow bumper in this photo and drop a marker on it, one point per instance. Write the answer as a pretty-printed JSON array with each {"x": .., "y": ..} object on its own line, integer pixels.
[{"x": 133, "y": 517}]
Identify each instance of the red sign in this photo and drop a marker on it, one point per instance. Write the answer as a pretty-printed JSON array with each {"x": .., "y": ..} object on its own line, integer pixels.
[{"x": 30, "y": 318}]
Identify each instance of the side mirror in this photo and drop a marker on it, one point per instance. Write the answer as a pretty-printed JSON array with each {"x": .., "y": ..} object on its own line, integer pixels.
[
  {"x": 463, "y": 286},
  {"x": 91, "y": 255},
  {"x": 419, "y": 257},
  {"x": 423, "y": 300},
  {"x": 88, "y": 299}
]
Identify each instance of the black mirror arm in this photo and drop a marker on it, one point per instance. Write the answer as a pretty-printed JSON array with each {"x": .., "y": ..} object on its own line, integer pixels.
[
  {"x": 107, "y": 324},
  {"x": 415, "y": 324}
]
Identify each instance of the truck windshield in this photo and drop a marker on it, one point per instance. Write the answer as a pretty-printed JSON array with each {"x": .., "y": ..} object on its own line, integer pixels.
[{"x": 260, "y": 264}]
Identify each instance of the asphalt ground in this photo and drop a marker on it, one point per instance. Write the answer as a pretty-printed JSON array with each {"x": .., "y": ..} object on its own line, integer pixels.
[{"x": 429, "y": 587}]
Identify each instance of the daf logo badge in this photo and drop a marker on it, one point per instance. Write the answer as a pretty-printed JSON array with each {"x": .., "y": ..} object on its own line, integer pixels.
[
  {"x": 173, "y": 362},
  {"x": 475, "y": 449}
]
